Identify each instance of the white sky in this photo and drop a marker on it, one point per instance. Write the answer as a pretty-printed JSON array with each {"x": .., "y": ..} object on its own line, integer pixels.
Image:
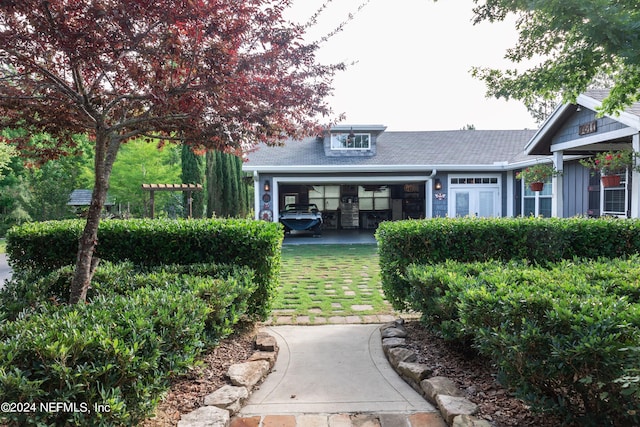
[{"x": 414, "y": 61}]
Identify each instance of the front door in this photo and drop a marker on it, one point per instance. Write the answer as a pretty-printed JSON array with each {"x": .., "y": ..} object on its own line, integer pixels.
[{"x": 478, "y": 199}]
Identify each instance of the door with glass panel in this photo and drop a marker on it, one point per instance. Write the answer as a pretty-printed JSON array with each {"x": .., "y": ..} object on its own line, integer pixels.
[{"x": 480, "y": 202}]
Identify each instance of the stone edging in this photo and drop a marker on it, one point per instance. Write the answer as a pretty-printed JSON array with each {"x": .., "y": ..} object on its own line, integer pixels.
[
  {"x": 225, "y": 402},
  {"x": 456, "y": 410}
]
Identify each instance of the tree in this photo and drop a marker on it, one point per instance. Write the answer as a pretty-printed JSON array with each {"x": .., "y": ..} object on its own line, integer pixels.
[
  {"x": 227, "y": 190},
  {"x": 574, "y": 43},
  {"x": 193, "y": 173},
  {"x": 214, "y": 74},
  {"x": 140, "y": 163}
]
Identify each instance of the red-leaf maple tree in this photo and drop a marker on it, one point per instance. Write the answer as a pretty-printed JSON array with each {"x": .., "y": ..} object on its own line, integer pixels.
[{"x": 214, "y": 74}]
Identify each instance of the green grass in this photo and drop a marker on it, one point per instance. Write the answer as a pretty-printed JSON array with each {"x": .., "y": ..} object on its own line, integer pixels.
[
  {"x": 329, "y": 280},
  {"x": 3, "y": 245}
]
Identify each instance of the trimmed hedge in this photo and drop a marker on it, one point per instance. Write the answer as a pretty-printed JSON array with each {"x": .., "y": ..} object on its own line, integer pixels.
[
  {"x": 118, "y": 351},
  {"x": 48, "y": 246},
  {"x": 564, "y": 336},
  {"x": 538, "y": 240},
  {"x": 121, "y": 348}
]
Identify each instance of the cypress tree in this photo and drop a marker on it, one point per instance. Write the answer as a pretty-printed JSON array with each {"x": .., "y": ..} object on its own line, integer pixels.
[{"x": 192, "y": 173}]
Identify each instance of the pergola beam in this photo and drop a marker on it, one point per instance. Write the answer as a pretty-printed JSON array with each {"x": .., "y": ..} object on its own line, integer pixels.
[{"x": 188, "y": 188}]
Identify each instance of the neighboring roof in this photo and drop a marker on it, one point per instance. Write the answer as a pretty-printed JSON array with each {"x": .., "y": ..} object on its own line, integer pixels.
[
  {"x": 540, "y": 144},
  {"x": 443, "y": 150},
  {"x": 83, "y": 198}
]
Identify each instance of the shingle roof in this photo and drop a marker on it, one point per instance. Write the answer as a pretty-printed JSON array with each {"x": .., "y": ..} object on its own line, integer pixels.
[
  {"x": 430, "y": 148},
  {"x": 83, "y": 198}
]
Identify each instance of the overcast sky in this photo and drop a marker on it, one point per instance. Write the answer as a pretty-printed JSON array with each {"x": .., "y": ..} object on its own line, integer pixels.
[{"x": 413, "y": 64}]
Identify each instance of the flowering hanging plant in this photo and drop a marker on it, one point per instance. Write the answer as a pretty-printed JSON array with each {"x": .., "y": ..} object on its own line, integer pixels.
[
  {"x": 537, "y": 173},
  {"x": 609, "y": 162}
]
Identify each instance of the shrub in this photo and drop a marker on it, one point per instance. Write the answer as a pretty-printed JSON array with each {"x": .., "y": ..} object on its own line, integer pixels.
[
  {"x": 226, "y": 289},
  {"x": 45, "y": 247},
  {"x": 118, "y": 351},
  {"x": 536, "y": 240},
  {"x": 562, "y": 335}
]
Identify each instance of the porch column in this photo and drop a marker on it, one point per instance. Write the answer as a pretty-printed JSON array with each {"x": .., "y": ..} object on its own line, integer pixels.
[
  {"x": 635, "y": 180},
  {"x": 557, "y": 183}
]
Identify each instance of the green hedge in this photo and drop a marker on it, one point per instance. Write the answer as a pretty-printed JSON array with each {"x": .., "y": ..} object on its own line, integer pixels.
[
  {"x": 118, "y": 352},
  {"x": 537, "y": 240},
  {"x": 137, "y": 330},
  {"x": 47, "y": 246},
  {"x": 566, "y": 336}
]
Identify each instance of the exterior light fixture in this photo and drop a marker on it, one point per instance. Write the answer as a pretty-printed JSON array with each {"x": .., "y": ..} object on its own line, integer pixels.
[
  {"x": 267, "y": 186},
  {"x": 437, "y": 184}
]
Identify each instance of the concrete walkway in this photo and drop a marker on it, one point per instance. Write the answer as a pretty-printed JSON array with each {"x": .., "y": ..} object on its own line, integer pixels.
[{"x": 334, "y": 375}]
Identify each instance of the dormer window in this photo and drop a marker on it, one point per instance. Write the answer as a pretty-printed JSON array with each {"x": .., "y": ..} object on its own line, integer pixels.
[{"x": 350, "y": 140}]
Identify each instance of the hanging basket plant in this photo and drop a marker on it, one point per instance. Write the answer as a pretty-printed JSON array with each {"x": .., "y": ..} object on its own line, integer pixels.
[
  {"x": 609, "y": 162},
  {"x": 535, "y": 176}
]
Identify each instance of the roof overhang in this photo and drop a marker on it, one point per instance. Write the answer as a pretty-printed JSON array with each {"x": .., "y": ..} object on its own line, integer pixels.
[
  {"x": 343, "y": 170},
  {"x": 540, "y": 143}
]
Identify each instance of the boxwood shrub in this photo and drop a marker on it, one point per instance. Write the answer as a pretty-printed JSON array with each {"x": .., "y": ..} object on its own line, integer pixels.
[
  {"x": 537, "y": 240},
  {"x": 564, "y": 335},
  {"x": 46, "y": 246}
]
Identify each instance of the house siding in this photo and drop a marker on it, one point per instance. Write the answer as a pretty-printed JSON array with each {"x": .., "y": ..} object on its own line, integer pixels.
[
  {"x": 575, "y": 187},
  {"x": 570, "y": 130}
]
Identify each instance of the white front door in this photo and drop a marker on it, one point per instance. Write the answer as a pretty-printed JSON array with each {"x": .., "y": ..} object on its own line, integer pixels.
[{"x": 481, "y": 199}]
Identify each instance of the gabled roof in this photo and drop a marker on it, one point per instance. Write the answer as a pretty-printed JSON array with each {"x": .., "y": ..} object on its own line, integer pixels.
[
  {"x": 540, "y": 144},
  {"x": 443, "y": 150},
  {"x": 83, "y": 198}
]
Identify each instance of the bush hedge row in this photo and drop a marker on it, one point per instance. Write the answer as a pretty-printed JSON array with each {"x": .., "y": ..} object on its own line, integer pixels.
[
  {"x": 566, "y": 337},
  {"x": 121, "y": 348},
  {"x": 538, "y": 240},
  {"x": 51, "y": 245}
]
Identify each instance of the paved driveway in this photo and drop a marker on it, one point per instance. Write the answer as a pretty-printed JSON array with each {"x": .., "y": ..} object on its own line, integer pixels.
[{"x": 5, "y": 270}]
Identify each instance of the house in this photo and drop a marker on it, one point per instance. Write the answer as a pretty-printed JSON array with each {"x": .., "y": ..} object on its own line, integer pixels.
[
  {"x": 360, "y": 175},
  {"x": 575, "y": 130}
]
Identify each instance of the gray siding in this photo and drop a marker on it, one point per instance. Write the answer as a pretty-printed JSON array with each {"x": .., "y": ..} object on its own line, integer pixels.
[
  {"x": 575, "y": 188},
  {"x": 569, "y": 130}
]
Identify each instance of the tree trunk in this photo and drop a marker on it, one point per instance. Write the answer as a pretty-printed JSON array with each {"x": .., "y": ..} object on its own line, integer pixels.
[{"x": 86, "y": 263}]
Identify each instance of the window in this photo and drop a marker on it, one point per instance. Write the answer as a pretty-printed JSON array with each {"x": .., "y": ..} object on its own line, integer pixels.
[
  {"x": 614, "y": 200},
  {"x": 349, "y": 141},
  {"x": 326, "y": 197},
  {"x": 374, "y": 198},
  {"x": 537, "y": 203}
]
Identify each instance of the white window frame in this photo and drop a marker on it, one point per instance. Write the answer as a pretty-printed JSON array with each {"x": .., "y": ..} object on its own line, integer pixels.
[
  {"x": 339, "y": 141},
  {"x": 624, "y": 181},
  {"x": 536, "y": 196}
]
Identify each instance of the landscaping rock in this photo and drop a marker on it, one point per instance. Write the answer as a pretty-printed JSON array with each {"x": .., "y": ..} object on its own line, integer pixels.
[
  {"x": 248, "y": 374},
  {"x": 469, "y": 421},
  {"x": 394, "y": 333},
  {"x": 452, "y": 406},
  {"x": 228, "y": 397},
  {"x": 434, "y": 386},
  {"x": 205, "y": 416},
  {"x": 399, "y": 354},
  {"x": 265, "y": 342},
  {"x": 414, "y": 371},
  {"x": 269, "y": 356},
  {"x": 389, "y": 343}
]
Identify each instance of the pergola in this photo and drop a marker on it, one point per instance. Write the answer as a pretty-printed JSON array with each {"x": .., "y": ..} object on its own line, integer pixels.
[{"x": 188, "y": 188}]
